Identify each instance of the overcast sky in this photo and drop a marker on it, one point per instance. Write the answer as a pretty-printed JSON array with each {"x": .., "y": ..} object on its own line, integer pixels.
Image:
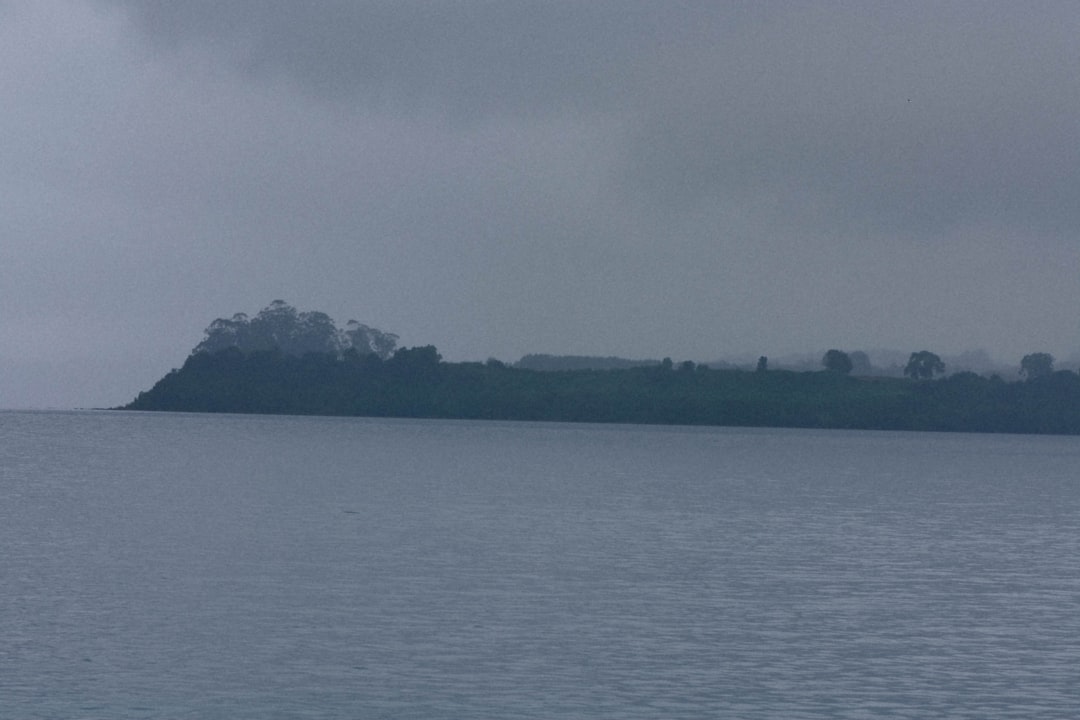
[{"x": 610, "y": 177}]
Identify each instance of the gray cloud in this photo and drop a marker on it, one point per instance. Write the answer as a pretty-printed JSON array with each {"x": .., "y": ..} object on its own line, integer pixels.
[
  {"x": 916, "y": 114},
  {"x": 644, "y": 179},
  {"x": 886, "y": 119},
  {"x": 467, "y": 58}
]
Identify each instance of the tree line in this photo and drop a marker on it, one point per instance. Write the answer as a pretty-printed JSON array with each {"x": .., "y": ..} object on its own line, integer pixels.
[
  {"x": 287, "y": 362},
  {"x": 924, "y": 365},
  {"x": 416, "y": 382}
]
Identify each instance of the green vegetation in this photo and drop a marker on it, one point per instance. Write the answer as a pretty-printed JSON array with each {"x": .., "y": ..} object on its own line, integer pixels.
[
  {"x": 278, "y": 326},
  {"x": 358, "y": 375},
  {"x": 414, "y": 382},
  {"x": 923, "y": 365},
  {"x": 1037, "y": 365},
  {"x": 837, "y": 361}
]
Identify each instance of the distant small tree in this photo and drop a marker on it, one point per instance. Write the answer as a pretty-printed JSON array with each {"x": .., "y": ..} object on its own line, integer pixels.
[
  {"x": 837, "y": 361},
  {"x": 860, "y": 363},
  {"x": 1037, "y": 365},
  {"x": 762, "y": 364},
  {"x": 923, "y": 365}
]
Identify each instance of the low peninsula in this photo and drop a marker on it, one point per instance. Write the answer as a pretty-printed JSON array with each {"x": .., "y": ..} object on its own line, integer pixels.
[{"x": 286, "y": 362}]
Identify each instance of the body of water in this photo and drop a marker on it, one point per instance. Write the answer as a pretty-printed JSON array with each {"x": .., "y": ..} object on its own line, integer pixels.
[{"x": 201, "y": 566}]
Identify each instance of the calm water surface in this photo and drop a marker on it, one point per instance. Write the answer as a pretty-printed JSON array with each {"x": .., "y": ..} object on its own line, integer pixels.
[{"x": 198, "y": 566}]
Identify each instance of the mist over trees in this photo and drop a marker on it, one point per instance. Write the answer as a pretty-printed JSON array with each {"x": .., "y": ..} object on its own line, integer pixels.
[
  {"x": 555, "y": 363},
  {"x": 417, "y": 383},
  {"x": 883, "y": 363},
  {"x": 280, "y": 327},
  {"x": 289, "y": 362},
  {"x": 860, "y": 363}
]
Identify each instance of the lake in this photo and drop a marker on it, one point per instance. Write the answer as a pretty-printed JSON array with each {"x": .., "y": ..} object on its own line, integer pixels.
[{"x": 223, "y": 566}]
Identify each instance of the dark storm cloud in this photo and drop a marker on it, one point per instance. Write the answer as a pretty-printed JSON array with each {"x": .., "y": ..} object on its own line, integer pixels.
[
  {"x": 907, "y": 117},
  {"x": 471, "y": 58},
  {"x": 881, "y": 118}
]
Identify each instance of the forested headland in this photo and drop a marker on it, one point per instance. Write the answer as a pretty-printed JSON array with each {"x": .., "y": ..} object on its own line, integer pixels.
[{"x": 285, "y": 362}]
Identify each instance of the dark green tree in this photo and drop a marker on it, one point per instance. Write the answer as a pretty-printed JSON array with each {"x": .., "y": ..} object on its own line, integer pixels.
[
  {"x": 224, "y": 333},
  {"x": 1037, "y": 365},
  {"x": 279, "y": 326},
  {"x": 369, "y": 340},
  {"x": 762, "y": 364},
  {"x": 923, "y": 365},
  {"x": 837, "y": 361},
  {"x": 420, "y": 361}
]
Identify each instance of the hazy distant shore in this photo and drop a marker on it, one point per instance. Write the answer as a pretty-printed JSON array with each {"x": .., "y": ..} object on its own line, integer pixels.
[{"x": 415, "y": 383}]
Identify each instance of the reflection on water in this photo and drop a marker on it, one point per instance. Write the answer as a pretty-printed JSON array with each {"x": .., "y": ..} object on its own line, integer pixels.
[{"x": 258, "y": 567}]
